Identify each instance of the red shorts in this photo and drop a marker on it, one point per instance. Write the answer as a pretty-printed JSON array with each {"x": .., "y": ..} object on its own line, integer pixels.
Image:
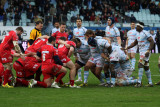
[
  {"x": 50, "y": 71},
  {"x": 20, "y": 72},
  {"x": 5, "y": 57},
  {"x": 64, "y": 59}
]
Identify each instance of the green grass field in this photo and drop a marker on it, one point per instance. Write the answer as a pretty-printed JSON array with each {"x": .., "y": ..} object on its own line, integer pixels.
[{"x": 91, "y": 96}]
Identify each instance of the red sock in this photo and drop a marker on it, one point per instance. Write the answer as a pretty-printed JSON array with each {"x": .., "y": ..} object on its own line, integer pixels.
[
  {"x": 0, "y": 81},
  {"x": 61, "y": 82},
  {"x": 60, "y": 76},
  {"x": 71, "y": 82},
  {"x": 6, "y": 76},
  {"x": 42, "y": 84},
  {"x": 21, "y": 81}
]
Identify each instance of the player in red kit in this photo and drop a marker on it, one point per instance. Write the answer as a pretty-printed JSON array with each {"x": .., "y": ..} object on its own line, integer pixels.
[
  {"x": 8, "y": 42},
  {"x": 64, "y": 54},
  {"x": 61, "y": 33},
  {"x": 51, "y": 65}
]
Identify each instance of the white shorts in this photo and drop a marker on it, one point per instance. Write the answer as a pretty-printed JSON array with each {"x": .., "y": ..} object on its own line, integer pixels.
[
  {"x": 84, "y": 61},
  {"x": 142, "y": 56},
  {"x": 99, "y": 62},
  {"x": 133, "y": 50}
]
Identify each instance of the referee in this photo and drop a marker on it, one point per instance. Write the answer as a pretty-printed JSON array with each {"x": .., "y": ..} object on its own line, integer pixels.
[{"x": 36, "y": 32}]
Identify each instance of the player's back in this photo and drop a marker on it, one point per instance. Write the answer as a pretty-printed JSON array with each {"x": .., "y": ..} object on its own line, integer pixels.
[
  {"x": 7, "y": 42},
  {"x": 63, "y": 50},
  {"x": 47, "y": 53}
]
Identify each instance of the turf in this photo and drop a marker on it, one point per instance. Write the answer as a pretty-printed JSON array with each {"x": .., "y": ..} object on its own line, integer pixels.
[{"x": 91, "y": 96}]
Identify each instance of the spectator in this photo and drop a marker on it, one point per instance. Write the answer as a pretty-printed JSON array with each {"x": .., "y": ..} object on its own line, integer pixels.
[
  {"x": 132, "y": 18},
  {"x": 153, "y": 36},
  {"x": 16, "y": 19},
  {"x": 158, "y": 40},
  {"x": 37, "y": 18},
  {"x": 92, "y": 17},
  {"x": 53, "y": 10},
  {"x": 82, "y": 11},
  {"x": 86, "y": 17},
  {"x": 30, "y": 14},
  {"x": 97, "y": 20},
  {"x": 1, "y": 10},
  {"x": 46, "y": 9},
  {"x": 4, "y": 19}
]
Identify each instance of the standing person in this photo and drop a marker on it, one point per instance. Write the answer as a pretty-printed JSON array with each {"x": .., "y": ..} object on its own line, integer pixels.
[
  {"x": 8, "y": 42},
  {"x": 61, "y": 32},
  {"x": 131, "y": 37},
  {"x": 145, "y": 44},
  {"x": 79, "y": 32},
  {"x": 36, "y": 32},
  {"x": 56, "y": 25},
  {"x": 158, "y": 40},
  {"x": 112, "y": 32}
]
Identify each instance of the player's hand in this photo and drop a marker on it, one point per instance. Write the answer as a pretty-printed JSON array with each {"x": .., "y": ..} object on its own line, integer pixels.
[
  {"x": 22, "y": 56},
  {"x": 147, "y": 53},
  {"x": 123, "y": 48},
  {"x": 64, "y": 64},
  {"x": 37, "y": 58}
]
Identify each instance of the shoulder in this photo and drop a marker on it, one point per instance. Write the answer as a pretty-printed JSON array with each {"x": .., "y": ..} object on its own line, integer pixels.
[{"x": 71, "y": 43}]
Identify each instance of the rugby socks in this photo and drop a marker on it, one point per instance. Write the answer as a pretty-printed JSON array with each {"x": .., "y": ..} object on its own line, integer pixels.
[
  {"x": 41, "y": 84},
  {"x": 21, "y": 81},
  {"x": 148, "y": 74},
  {"x": 71, "y": 82},
  {"x": 113, "y": 80},
  {"x": 133, "y": 62},
  {"x": 129, "y": 82},
  {"x": 107, "y": 75},
  {"x": 86, "y": 74},
  {"x": 60, "y": 76},
  {"x": 79, "y": 74},
  {"x": 6, "y": 76},
  {"x": 102, "y": 77},
  {"x": 140, "y": 74}
]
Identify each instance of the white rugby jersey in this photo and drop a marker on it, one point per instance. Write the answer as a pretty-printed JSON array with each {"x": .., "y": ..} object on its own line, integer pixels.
[
  {"x": 112, "y": 34},
  {"x": 55, "y": 30},
  {"x": 131, "y": 34},
  {"x": 79, "y": 33}
]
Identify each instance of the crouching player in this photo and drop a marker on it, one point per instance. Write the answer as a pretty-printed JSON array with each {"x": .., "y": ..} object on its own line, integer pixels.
[
  {"x": 82, "y": 49},
  {"x": 145, "y": 44},
  {"x": 50, "y": 67}
]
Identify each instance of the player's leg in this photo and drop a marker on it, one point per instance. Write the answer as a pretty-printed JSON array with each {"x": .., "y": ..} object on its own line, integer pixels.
[
  {"x": 7, "y": 72},
  {"x": 148, "y": 73},
  {"x": 107, "y": 73},
  {"x": 78, "y": 66},
  {"x": 59, "y": 72},
  {"x": 140, "y": 73},
  {"x": 113, "y": 72},
  {"x": 133, "y": 60}
]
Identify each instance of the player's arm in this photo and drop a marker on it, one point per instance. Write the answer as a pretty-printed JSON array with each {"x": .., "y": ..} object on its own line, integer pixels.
[
  {"x": 150, "y": 39},
  {"x": 16, "y": 55},
  {"x": 32, "y": 35},
  {"x": 30, "y": 54},
  {"x": 16, "y": 46},
  {"x": 119, "y": 40},
  {"x": 63, "y": 42},
  {"x": 132, "y": 44},
  {"x": 71, "y": 50},
  {"x": 43, "y": 37},
  {"x": 126, "y": 43},
  {"x": 107, "y": 39}
]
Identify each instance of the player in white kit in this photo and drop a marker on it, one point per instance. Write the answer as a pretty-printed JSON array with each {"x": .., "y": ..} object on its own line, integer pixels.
[
  {"x": 145, "y": 44},
  {"x": 112, "y": 32},
  {"x": 79, "y": 32},
  {"x": 82, "y": 49},
  {"x": 56, "y": 25},
  {"x": 131, "y": 37}
]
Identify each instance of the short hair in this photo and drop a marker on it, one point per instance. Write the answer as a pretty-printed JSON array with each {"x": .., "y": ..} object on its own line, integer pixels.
[
  {"x": 62, "y": 23},
  {"x": 76, "y": 40},
  {"x": 56, "y": 22},
  {"x": 63, "y": 38},
  {"x": 89, "y": 32},
  {"x": 20, "y": 29},
  {"x": 79, "y": 19},
  {"x": 50, "y": 39},
  {"x": 133, "y": 22},
  {"x": 38, "y": 22}
]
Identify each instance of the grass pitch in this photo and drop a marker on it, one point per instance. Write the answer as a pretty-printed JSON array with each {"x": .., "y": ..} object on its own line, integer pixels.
[{"x": 91, "y": 96}]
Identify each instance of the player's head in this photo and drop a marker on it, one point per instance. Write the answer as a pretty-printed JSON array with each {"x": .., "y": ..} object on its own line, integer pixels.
[
  {"x": 62, "y": 38},
  {"x": 56, "y": 24},
  {"x": 92, "y": 42},
  {"x": 89, "y": 33},
  {"x": 77, "y": 41},
  {"x": 140, "y": 26},
  {"x": 62, "y": 27},
  {"x": 133, "y": 25},
  {"x": 51, "y": 40},
  {"x": 39, "y": 24},
  {"x": 110, "y": 21},
  {"x": 79, "y": 22},
  {"x": 19, "y": 31}
]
